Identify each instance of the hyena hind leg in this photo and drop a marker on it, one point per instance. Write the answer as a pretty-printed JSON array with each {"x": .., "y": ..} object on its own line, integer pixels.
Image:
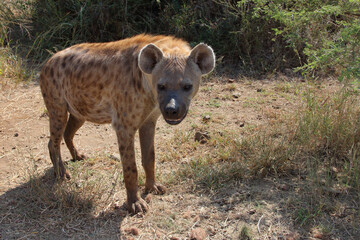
[
  {"x": 58, "y": 121},
  {"x": 72, "y": 126}
]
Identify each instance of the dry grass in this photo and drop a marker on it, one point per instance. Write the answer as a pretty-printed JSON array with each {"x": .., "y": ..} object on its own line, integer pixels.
[
  {"x": 13, "y": 67},
  {"x": 264, "y": 173},
  {"x": 14, "y": 24},
  {"x": 318, "y": 142}
]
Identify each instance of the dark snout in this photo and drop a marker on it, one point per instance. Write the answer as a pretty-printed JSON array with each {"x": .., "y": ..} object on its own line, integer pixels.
[{"x": 174, "y": 111}]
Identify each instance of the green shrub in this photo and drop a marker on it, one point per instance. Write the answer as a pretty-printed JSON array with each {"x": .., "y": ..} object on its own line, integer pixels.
[{"x": 324, "y": 34}]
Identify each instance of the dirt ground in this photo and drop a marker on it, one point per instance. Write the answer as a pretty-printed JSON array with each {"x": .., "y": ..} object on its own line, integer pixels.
[{"x": 248, "y": 209}]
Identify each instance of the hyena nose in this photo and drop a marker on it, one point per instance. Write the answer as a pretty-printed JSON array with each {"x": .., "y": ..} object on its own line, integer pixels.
[{"x": 172, "y": 109}]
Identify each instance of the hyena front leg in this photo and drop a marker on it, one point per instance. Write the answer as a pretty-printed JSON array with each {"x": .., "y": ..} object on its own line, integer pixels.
[
  {"x": 126, "y": 139},
  {"x": 147, "y": 133}
]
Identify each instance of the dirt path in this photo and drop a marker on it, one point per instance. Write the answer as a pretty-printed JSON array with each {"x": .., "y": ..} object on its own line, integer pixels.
[{"x": 24, "y": 133}]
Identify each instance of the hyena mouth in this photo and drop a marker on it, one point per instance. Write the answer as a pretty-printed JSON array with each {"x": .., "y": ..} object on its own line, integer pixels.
[{"x": 175, "y": 121}]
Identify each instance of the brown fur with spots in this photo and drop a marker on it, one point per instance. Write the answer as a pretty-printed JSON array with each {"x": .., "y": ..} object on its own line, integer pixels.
[{"x": 128, "y": 83}]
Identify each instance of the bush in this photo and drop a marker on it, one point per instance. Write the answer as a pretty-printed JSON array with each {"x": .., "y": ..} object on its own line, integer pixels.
[
  {"x": 259, "y": 36},
  {"x": 60, "y": 24},
  {"x": 324, "y": 34}
]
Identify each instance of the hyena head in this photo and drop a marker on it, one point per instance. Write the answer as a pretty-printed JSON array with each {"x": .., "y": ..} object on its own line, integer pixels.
[{"x": 176, "y": 78}]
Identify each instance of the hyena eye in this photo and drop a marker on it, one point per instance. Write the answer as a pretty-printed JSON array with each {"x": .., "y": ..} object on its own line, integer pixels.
[
  {"x": 187, "y": 87},
  {"x": 161, "y": 87}
]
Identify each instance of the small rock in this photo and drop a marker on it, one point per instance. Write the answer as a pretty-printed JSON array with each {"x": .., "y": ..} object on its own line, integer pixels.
[
  {"x": 319, "y": 235},
  {"x": 230, "y": 80},
  {"x": 252, "y": 212},
  {"x": 201, "y": 137},
  {"x": 16, "y": 135},
  {"x": 133, "y": 230},
  {"x": 197, "y": 234},
  {"x": 186, "y": 215},
  {"x": 316, "y": 233},
  {"x": 283, "y": 187},
  {"x": 292, "y": 236},
  {"x": 334, "y": 170},
  {"x": 206, "y": 118},
  {"x": 212, "y": 231},
  {"x": 117, "y": 205}
]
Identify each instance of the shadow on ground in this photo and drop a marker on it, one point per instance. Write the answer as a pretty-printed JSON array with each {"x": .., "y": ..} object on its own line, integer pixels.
[{"x": 40, "y": 209}]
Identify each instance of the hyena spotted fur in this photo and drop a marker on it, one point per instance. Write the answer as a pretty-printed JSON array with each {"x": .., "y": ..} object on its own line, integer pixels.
[{"x": 128, "y": 83}]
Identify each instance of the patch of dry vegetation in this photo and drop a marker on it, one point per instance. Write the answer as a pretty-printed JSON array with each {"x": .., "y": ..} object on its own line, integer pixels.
[
  {"x": 13, "y": 67},
  {"x": 13, "y": 15},
  {"x": 285, "y": 165},
  {"x": 318, "y": 143},
  {"x": 323, "y": 132}
]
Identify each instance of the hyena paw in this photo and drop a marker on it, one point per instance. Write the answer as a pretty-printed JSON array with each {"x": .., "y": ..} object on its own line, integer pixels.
[
  {"x": 156, "y": 188},
  {"x": 62, "y": 175},
  {"x": 78, "y": 158},
  {"x": 138, "y": 206}
]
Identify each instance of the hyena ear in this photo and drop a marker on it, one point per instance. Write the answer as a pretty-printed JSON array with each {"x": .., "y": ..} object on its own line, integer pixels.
[
  {"x": 149, "y": 56},
  {"x": 204, "y": 57}
]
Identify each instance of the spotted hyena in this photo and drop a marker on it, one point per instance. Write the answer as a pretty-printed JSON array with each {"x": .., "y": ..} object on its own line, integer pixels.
[{"x": 128, "y": 83}]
